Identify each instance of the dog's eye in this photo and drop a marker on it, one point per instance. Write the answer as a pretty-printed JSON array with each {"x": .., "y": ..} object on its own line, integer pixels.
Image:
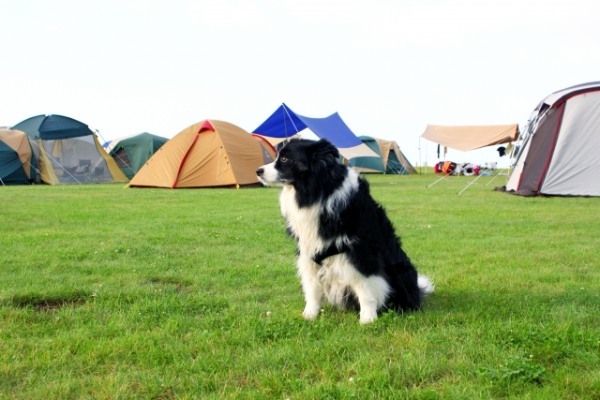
[{"x": 283, "y": 159}]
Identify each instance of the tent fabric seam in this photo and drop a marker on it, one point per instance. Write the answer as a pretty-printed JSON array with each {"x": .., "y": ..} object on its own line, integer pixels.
[
  {"x": 557, "y": 129},
  {"x": 183, "y": 159}
]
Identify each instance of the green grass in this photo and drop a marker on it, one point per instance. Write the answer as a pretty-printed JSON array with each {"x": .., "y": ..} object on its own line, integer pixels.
[{"x": 115, "y": 293}]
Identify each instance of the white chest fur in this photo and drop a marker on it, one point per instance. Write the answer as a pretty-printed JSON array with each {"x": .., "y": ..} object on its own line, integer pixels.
[{"x": 303, "y": 222}]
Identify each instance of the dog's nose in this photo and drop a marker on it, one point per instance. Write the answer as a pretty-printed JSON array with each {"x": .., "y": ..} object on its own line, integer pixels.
[{"x": 260, "y": 171}]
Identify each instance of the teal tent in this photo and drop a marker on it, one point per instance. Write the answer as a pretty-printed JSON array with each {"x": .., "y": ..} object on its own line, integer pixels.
[
  {"x": 390, "y": 159},
  {"x": 16, "y": 158},
  {"x": 132, "y": 153},
  {"x": 67, "y": 151}
]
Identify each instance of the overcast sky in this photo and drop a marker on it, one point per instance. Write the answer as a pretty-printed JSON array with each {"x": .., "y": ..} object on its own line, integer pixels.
[{"x": 389, "y": 67}]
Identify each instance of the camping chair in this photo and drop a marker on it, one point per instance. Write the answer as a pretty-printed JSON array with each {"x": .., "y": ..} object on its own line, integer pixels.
[
  {"x": 97, "y": 173},
  {"x": 83, "y": 167}
]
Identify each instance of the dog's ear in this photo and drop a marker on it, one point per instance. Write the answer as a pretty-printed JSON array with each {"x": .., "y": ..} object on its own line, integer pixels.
[{"x": 323, "y": 149}]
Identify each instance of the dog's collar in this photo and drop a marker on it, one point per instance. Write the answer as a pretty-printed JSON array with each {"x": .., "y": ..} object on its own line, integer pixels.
[{"x": 330, "y": 251}]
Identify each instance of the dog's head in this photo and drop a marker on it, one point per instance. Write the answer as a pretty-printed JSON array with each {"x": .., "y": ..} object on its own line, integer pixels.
[{"x": 298, "y": 160}]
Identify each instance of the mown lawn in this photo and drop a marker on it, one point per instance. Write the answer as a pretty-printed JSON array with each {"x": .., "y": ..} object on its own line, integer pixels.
[{"x": 108, "y": 292}]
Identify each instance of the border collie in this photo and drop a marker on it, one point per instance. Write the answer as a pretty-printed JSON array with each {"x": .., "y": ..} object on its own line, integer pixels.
[{"x": 348, "y": 252}]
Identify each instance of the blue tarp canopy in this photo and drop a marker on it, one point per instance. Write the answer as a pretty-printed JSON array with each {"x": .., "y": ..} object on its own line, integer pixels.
[{"x": 285, "y": 123}]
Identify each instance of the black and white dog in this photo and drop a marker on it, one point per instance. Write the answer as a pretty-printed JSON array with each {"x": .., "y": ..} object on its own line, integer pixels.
[{"x": 348, "y": 252}]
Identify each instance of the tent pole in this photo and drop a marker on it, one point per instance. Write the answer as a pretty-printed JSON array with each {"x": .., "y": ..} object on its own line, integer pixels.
[
  {"x": 57, "y": 162},
  {"x": 420, "y": 159},
  {"x": 34, "y": 168},
  {"x": 285, "y": 109},
  {"x": 97, "y": 132},
  {"x": 40, "y": 150}
]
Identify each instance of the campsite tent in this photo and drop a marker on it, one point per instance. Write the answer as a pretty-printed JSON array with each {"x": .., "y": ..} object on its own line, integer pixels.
[
  {"x": 558, "y": 153},
  {"x": 285, "y": 123},
  {"x": 16, "y": 158},
  {"x": 207, "y": 154},
  {"x": 390, "y": 159},
  {"x": 132, "y": 153},
  {"x": 68, "y": 151}
]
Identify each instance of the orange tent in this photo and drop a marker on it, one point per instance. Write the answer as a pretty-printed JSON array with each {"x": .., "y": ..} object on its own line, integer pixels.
[{"x": 207, "y": 154}]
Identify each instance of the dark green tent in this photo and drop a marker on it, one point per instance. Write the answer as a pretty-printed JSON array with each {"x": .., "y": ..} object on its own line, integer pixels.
[{"x": 132, "y": 153}]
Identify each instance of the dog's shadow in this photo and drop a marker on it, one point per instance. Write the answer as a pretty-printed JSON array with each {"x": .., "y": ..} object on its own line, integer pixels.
[{"x": 480, "y": 304}]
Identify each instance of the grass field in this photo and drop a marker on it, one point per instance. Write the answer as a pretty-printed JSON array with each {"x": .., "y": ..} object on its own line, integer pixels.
[{"x": 115, "y": 293}]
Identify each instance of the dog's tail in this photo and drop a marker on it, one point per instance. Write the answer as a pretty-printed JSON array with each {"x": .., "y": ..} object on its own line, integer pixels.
[{"x": 426, "y": 286}]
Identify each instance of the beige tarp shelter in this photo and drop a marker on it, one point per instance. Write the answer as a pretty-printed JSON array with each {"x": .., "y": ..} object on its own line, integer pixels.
[
  {"x": 207, "y": 154},
  {"x": 471, "y": 137}
]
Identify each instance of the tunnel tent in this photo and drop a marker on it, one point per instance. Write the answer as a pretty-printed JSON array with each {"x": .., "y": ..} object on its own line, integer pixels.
[{"x": 558, "y": 152}]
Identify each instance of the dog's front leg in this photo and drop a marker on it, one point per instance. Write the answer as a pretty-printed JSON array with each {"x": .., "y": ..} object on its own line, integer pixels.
[
  {"x": 313, "y": 292},
  {"x": 371, "y": 293}
]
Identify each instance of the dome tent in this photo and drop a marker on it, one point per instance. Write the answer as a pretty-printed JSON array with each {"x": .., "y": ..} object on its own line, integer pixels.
[
  {"x": 67, "y": 151},
  {"x": 390, "y": 160},
  {"x": 16, "y": 158},
  {"x": 132, "y": 153},
  {"x": 210, "y": 153}
]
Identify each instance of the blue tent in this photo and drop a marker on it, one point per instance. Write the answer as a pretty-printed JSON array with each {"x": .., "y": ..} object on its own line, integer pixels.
[{"x": 285, "y": 123}]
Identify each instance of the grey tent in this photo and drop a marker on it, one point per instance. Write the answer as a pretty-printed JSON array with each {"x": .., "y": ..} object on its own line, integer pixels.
[{"x": 558, "y": 152}]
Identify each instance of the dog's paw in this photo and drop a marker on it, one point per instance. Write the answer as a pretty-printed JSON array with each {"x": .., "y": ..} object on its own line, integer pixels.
[
  {"x": 367, "y": 317},
  {"x": 310, "y": 313}
]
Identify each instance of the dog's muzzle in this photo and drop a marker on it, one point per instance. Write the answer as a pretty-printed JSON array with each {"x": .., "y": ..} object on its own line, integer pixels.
[
  {"x": 267, "y": 174},
  {"x": 260, "y": 173}
]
